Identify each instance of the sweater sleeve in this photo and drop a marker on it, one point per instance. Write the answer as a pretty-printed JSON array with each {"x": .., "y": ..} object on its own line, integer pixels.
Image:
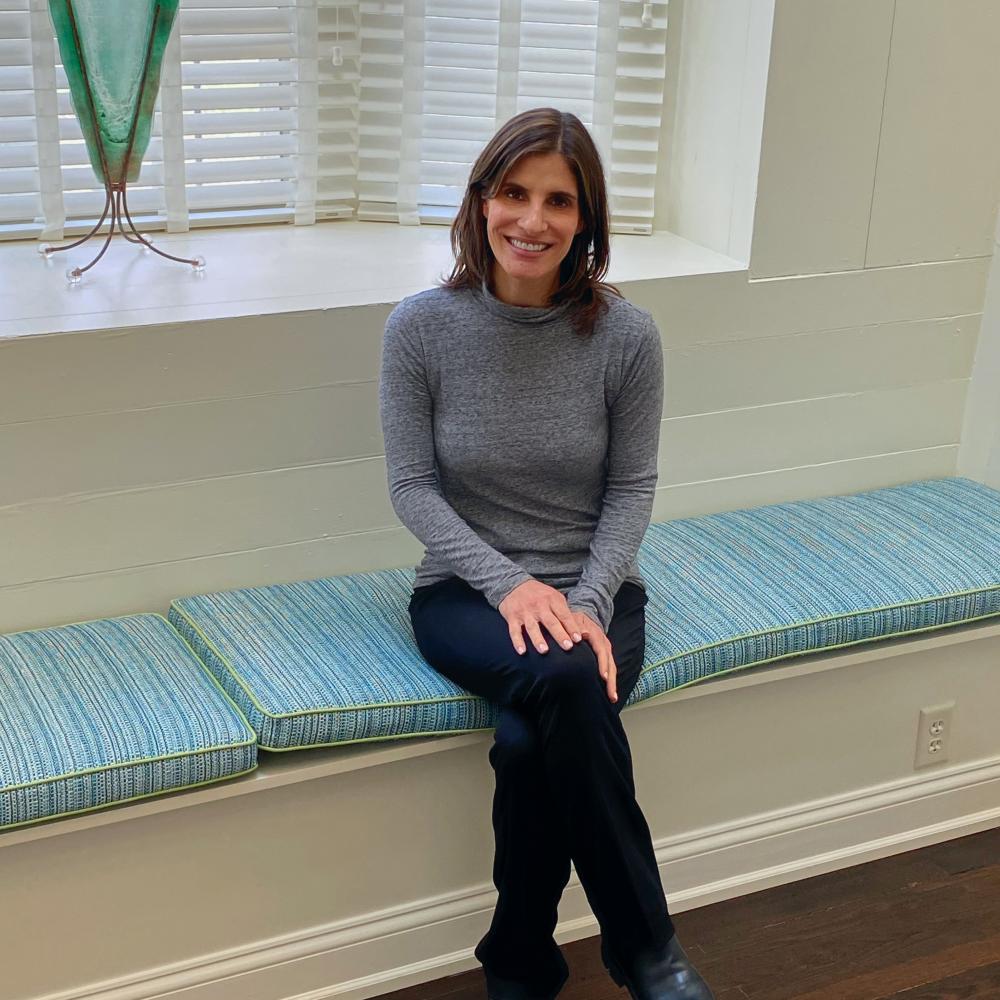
[
  {"x": 633, "y": 441},
  {"x": 406, "y": 412}
]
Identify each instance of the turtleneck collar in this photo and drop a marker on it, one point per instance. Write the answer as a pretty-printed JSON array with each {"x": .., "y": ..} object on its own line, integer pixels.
[{"x": 533, "y": 315}]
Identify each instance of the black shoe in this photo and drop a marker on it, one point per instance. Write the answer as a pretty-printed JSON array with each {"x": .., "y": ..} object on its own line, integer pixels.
[{"x": 665, "y": 976}]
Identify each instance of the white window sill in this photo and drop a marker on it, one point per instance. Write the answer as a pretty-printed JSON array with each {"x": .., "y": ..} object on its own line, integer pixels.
[{"x": 261, "y": 270}]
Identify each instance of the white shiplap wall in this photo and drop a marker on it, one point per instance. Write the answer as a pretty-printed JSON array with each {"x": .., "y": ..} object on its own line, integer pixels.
[{"x": 880, "y": 144}]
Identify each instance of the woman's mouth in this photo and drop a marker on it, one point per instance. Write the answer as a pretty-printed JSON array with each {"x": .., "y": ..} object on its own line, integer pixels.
[{"x": 526, "y": 248}]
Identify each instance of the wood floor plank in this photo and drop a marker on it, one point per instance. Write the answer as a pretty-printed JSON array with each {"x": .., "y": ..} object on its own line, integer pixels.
[{"x": 982, "y": 983}]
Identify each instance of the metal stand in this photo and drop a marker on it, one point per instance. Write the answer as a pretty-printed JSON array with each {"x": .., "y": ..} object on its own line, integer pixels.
[{"x": 116, "y": 199}]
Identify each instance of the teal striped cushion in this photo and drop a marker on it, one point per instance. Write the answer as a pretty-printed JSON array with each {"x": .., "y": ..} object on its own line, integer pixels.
[
  {"x": 108, "y": 711},
  {"x": 333, "y": 661},
  {"x": 744, "y": 588},
  {"x": 324, "y": 662}
]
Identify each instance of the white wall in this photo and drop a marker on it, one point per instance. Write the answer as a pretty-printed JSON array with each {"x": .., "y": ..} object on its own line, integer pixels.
[
  {"x": 880, "y": 146},
  {"x": 979, "y": 456}
]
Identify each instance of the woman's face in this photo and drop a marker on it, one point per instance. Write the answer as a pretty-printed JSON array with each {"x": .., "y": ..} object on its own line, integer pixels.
[{"x": 530, "y": 225}]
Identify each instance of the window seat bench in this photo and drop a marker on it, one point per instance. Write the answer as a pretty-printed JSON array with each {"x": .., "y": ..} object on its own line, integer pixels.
[{"x": 96, "y": 714}]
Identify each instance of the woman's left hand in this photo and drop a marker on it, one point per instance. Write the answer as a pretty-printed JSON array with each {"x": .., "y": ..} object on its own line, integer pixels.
[{"x": 601, "y": 644}]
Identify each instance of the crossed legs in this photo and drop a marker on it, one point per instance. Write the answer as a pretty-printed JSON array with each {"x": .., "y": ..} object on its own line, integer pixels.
[{"x": 564, "y": 784}]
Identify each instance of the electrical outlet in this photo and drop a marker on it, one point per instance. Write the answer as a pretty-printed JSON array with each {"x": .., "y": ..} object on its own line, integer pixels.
[{"x": 933, "y": 734}]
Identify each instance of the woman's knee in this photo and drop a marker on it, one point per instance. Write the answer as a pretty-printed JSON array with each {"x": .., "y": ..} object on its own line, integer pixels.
[
  {"x": 567, "y": 676},
  {"x": 515, "y": 740}
]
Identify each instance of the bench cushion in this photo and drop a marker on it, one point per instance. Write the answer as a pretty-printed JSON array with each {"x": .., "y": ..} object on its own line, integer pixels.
[
  {"x": 325, "y": 662},
  {"x": 743, "y": 588},
  {"x": 108, "y": 711},
  {"x": 332, "y": 661}
]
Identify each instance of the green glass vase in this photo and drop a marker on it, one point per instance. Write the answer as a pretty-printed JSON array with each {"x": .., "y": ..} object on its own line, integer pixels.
[{"x": 112, "y": 51}]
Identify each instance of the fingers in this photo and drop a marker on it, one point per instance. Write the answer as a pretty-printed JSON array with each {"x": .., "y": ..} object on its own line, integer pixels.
[
  {"x": 595, "y": 636},
  {"x": 607, "y": 667},
  {"x": 571, "y": 625},
  {"x": 531, "y": 604},
  {"x": 535, "y": 635},
  {"x": 557, "y": 630},
  {"x": 514, "y": 631}
]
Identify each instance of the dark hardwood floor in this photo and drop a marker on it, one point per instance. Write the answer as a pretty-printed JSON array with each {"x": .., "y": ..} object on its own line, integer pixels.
[{"x": 924, "y": 925}]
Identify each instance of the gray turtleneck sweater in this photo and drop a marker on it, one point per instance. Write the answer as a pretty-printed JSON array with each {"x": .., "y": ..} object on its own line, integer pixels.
[{"x": 516, "y": 449}]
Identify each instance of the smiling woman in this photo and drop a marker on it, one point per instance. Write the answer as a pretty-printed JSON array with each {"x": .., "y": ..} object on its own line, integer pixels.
[
  {"x": 540, "y": 181},
  {"x": 521, "y": 405},
  {"x": 530, "y": 225}
]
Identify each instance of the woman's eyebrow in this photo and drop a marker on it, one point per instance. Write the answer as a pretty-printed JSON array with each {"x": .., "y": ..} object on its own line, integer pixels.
[{"x": 519, "y": 187}]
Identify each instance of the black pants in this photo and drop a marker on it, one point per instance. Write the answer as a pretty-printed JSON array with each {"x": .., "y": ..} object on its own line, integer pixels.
[{"x": 564, "y": 785}]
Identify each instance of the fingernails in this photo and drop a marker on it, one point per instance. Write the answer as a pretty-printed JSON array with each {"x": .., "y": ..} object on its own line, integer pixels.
[
  {"x": 567, "y": 644},
  {"x": 576, "y": 637},
  {"x": 542, "y": 647},
  {"x": 520, "y": 649}
]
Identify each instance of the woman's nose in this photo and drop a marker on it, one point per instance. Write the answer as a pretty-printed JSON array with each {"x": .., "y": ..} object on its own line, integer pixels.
[{"x": 533, "y": 219}]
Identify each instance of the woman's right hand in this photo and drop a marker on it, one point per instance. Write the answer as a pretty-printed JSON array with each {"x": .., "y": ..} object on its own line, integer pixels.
[{"x": 533, "y": 603}]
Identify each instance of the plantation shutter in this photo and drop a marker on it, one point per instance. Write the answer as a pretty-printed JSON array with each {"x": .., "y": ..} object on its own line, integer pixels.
[{"x": 637, "y": 101}]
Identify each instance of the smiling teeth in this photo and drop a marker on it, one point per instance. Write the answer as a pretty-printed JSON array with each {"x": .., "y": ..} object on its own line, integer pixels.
[{"x": 528, "y": 246}]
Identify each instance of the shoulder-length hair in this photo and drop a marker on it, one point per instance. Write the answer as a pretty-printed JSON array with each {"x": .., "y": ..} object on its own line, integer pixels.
[{"x": 540, "y": 130}]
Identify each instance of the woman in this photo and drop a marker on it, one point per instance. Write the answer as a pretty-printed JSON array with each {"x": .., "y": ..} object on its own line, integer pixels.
[{"x": 521, "y": 403}]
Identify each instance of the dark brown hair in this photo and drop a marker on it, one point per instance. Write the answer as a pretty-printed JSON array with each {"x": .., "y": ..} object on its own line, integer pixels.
[{"x": 540, "y": 130}]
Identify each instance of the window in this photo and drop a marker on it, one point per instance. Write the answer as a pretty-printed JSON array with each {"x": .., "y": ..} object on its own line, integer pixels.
[{"x": 303, "y": 110}]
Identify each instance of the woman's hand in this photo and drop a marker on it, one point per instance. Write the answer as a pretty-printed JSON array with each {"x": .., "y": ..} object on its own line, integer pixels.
[
  {"x": 532, "y": 603},
  {"x": 597, "y": 638}
]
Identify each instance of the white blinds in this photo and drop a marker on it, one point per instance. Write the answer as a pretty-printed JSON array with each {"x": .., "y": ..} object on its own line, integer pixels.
[
  {"x": 301, "y": 110},
  {"x": 338, "y": 55},
  {"x": 247, "y": 119}
]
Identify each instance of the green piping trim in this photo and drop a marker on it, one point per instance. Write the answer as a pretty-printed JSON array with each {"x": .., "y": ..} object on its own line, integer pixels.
[
  {"x": 144, "y": 760},
  {"x": 659, "y": 663},
  {"x": 228, "y": 667},
  {"x": 121, "y": 802},
  {"x": 805, "y": 652},
  {"x": 830, "y": 618},
  {"x": 127, "y": 763}
]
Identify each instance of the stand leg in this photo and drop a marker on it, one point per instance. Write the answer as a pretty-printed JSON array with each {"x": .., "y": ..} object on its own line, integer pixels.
[
  {"x": 46, "y": 251},
  {"x": 198, "y": 263},
  {"x": 117, "y": 202}
]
